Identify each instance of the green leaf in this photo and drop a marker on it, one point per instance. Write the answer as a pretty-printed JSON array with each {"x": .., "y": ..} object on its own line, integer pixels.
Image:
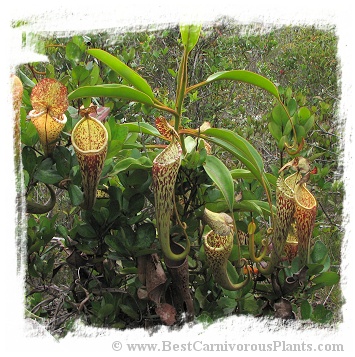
[
  {"x": 242, "y": 174},
  {"x": 123, "y": 70},
  {"x": 279, "y": 115},
  {"x": 247, "y": 175},
  {"x": 48, "y": 267},
  {"x": 306, "y": 310},
  {"x": 309, "y": 124},
  {"x": 35, "y": 247},
  {"x": 130, "y": 163},
  {"x": 328, "y": 278},
  {"x": 29, "y": 134},
  {"x": 46, "y": 174},
  {"x": 145, "y": 236},
  {"x": 314, "y": 269},
  {"x": 29, "y": 159},
  {"x": 275, "y": 130},
  {"x": 246, "y": 77},
  {"x": 221, "y": 176},
  {"x": 62, "y": 158},
  {"x": 86, "y": 231},
  {"x": 79, "y": 74},
  {"x": 130, "y": 311},
  {"x": 281, "y": 143},
  {"x": 25, "y": 80},
  {"x": 248, "y": 206},
  {"x": 116, "y": 131},
  {"x": 75, "y": 194},
  {"x": 105, "y": 310},
  {"x": 143, "y": 128},
  {"x": 319, "y": 252},
  {"x": 304, "y": 114},
  {"x": 238, "y": 142},
  {"x": 205, "y": 319},
  {"x": 111, "y": 90},
  {"x": 232, "y": 273},
  {"x": 94, "y": 74},
  {"x": 287, "y": 128},
  {"x": 115, "y": 243},
  {"x": 62, "y": 230},
  {"x": 227, "y": 304},
  {"x": 292, "y": 106},
  {"x": 321, "y": 314},
  {"x": 72, "y": 51},
  {"x": 242, "y": 150},
  {"x": 300, "y": 132},
  {"x": 136, "y": 204},
  {"x": 190, "y": 35}
]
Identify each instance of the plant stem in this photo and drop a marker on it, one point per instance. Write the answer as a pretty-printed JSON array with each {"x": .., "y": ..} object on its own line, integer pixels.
[{"x": 180, "y": 95}]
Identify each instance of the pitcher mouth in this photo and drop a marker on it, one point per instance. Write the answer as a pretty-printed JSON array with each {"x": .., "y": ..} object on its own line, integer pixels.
[
  {"x": 305, "y": 199},
  {"x": 223, "y": 242},
  {"x": 34, "y": 114},
  {"x": 101, "y": 148}
]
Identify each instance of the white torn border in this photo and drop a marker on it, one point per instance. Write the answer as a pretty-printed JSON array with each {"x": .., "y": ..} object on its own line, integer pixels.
[{"x": 80, "y": 16}]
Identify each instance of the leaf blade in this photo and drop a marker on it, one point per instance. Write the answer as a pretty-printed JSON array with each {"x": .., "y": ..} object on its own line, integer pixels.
[
  {"x": 143, "y": 128},
  {"x": 123, "y": 70},
  {"x": 219, "y": 173},
  {"x": 111, "y": 90},
  {"x": 190, "y": 35},
  {"x": 246, "y": 77}
]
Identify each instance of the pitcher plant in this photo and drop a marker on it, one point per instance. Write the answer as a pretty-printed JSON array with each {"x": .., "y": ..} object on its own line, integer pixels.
[
  {"x": 286, "y": 211},
  {"x": 305, "y": 215},
  {"x": 165, "y": 169},
  {"x": 90, "y": 139},
  {"x": 49, "y": 101},
  {"x": 218, "y": 249}
]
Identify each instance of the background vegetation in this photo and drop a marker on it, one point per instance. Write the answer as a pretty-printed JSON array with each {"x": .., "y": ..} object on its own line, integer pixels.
[{"x": 63, "y": 285}]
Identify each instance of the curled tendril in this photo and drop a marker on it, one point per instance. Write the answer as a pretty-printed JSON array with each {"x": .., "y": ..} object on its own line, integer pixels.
[
  {"x": 37, "y": 208},
  {"x": 297, "y": 150},
  {"x": 264, "y": 250}
]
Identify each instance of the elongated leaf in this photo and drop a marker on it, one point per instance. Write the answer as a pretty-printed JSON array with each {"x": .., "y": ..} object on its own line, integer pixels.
[
  {"x": 221, "y": 176},
  {"x": 75, "y": 194},
  {"x": 306, "y": 310},
  {"x": 48, "y": 176},
  {"x": 143, "y": 128},
  {"x": 25, "y": 80},
  {"x": 239, "y": 142},
  {"x": 279, "y": 116},
  {"x": 237, "y": 153},
  {"x": 319, "y": 252},
  {"x": 248, "y": 206},
  {"x": 123, "y": 70},
  {"x": 130, "y": 163},
  {"x": 256, "y": 206},
  {"x": 275, "y": 130},
  {"x": 190, "y": 35},
  {"x": 242, "y": 150},
  {"x": 328, "y": 278},
  {"x": 111, "y": 90},
  {"x": 239, "y": 147},
  {"x": 247, "y": 175},
  {"x": 246, "y": 77},
  {"x": 242, "y": 174}
]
